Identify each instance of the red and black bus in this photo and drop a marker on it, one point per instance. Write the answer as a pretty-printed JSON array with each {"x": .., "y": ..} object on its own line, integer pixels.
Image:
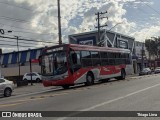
[{"x": 69, "y": 64}]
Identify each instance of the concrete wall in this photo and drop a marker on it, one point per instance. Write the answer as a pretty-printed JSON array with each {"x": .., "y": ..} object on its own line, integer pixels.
[
  {"x": 14, "y": 71},
  {"x": 9, "y": 65}
]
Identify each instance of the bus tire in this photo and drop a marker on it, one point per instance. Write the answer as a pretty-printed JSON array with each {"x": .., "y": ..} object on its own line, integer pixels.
[
  {"x": 89, "y": 79},
  {"x": 65, "y": 86}
]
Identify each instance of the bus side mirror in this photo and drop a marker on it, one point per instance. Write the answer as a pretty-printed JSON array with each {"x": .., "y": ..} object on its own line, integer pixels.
[{"x": 74, "y": 58}]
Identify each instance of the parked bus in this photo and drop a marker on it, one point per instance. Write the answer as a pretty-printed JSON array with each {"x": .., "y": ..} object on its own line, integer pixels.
[{"x": 70, "y": 64}]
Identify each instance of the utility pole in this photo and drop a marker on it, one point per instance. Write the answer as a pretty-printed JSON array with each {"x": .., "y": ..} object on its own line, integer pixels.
[
  {"x": 19, "y": 69},
  {"x": 142, "y": 62},
  {"x": 30, "y": 62},
  {"x": 98, "y": 23},
  {"x": 98, "y": 26},
  {"x": 59, "y": 23},
  {"x": 150, "y": 53}
]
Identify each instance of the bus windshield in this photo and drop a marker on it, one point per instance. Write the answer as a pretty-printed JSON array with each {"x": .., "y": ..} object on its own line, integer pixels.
[{"x": 54, "y": 63}]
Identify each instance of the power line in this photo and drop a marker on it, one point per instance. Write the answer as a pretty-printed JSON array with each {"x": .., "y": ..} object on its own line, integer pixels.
[
  {"x": 19, "y": 7},
  {"x": 143, "y": 11},
  {"x": 15, "y": 6},
  {"x": 17, "y": 20},
  {"x": 30, "y": 32},
  {"x": 25, "y": 39},
  {"x": 33, "y": 40},
  {"x": 22, "y": 28},
  {"x": 26, "y": 29},
  {"x": 151, "y": 7},
  {"x": 16, "y": 45},
  {"x": 14, "y": 19},
  {"x": 16, "y": 27},
  {"x": 19, "y": 42}
]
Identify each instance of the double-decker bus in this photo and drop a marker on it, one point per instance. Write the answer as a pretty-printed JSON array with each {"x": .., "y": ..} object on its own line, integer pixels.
[{"x": 69, "y": 64}]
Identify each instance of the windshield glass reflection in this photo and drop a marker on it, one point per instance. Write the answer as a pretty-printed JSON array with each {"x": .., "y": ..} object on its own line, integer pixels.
[{"x": 54, "y": 63}]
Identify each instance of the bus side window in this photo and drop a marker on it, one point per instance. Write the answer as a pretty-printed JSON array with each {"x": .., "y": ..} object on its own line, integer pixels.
[{"x": 74, "y": 58}]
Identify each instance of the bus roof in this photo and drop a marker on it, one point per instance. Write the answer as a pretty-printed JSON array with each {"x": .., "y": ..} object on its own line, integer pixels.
[
  {"x": 96, "y": 48},
  {"x": 91, "y": 48}
]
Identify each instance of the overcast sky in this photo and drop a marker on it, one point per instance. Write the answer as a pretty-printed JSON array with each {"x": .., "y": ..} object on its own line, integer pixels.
[{"x": 37, "y": 19}]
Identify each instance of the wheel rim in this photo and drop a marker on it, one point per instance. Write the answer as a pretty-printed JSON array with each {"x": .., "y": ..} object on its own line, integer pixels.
[
  {"x": 38, "y": 80},
  {"x": 89, "y": 78},
  {"x": 123, "y": 75},
  {"x": 8, "y": 92}
]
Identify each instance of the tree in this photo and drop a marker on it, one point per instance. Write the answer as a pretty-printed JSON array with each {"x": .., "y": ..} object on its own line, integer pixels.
[{"x": 152, "y": 46}]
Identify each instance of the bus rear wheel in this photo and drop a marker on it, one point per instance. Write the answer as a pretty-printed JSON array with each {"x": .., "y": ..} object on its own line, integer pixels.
[{"x": 89, "y": 79}]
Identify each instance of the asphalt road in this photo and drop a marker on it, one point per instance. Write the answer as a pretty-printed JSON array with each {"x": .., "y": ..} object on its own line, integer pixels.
[{"x": 136, "y": 94}]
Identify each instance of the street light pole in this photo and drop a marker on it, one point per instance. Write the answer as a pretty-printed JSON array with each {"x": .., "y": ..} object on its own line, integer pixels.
[{"x": 115, "y": 26}]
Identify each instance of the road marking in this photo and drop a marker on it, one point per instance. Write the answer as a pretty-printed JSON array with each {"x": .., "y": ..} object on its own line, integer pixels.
[
  {"x": 13, "y": 103},
  {"x": 119, "y": 98},
  {"x": 34, "y": 93},
  {"x": 18, "y": 102},
  {"x": 81, "y": 89},
  {"x": 108, "y": 102},
  {"x": 8, "y": 105},
  {"x": 49, "y": 95}
]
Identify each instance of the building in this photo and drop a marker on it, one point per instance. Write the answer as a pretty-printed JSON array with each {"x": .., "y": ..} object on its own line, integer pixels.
[
  {"x": 107, "y": 39},
  {"x": 9, "y": 61},
  {"x": 10, "y": 66},
  {"x": 138, "y": 62}
]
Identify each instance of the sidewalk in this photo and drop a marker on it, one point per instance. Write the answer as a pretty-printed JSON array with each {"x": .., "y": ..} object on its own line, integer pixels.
[
  {"x": 133, "y": 75},
  {"x": 38, "y": 87}
]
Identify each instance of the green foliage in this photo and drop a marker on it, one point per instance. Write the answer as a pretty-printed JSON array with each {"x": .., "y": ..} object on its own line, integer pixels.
[{"x": 153, "y": 46}]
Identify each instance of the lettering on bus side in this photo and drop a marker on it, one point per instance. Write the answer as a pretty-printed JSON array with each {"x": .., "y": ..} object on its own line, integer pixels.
[{"x": 55, "y": 49}]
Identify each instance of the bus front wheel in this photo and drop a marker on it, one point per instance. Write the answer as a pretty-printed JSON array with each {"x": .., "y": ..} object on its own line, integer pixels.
[{"x": 89, "y": 79}]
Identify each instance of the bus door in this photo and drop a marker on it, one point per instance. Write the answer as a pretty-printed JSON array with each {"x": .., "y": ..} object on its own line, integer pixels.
[{"x": 75, "y": 62}]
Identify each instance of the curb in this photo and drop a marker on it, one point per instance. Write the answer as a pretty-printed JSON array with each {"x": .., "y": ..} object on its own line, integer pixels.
[{"x": 144, "y": 76}]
